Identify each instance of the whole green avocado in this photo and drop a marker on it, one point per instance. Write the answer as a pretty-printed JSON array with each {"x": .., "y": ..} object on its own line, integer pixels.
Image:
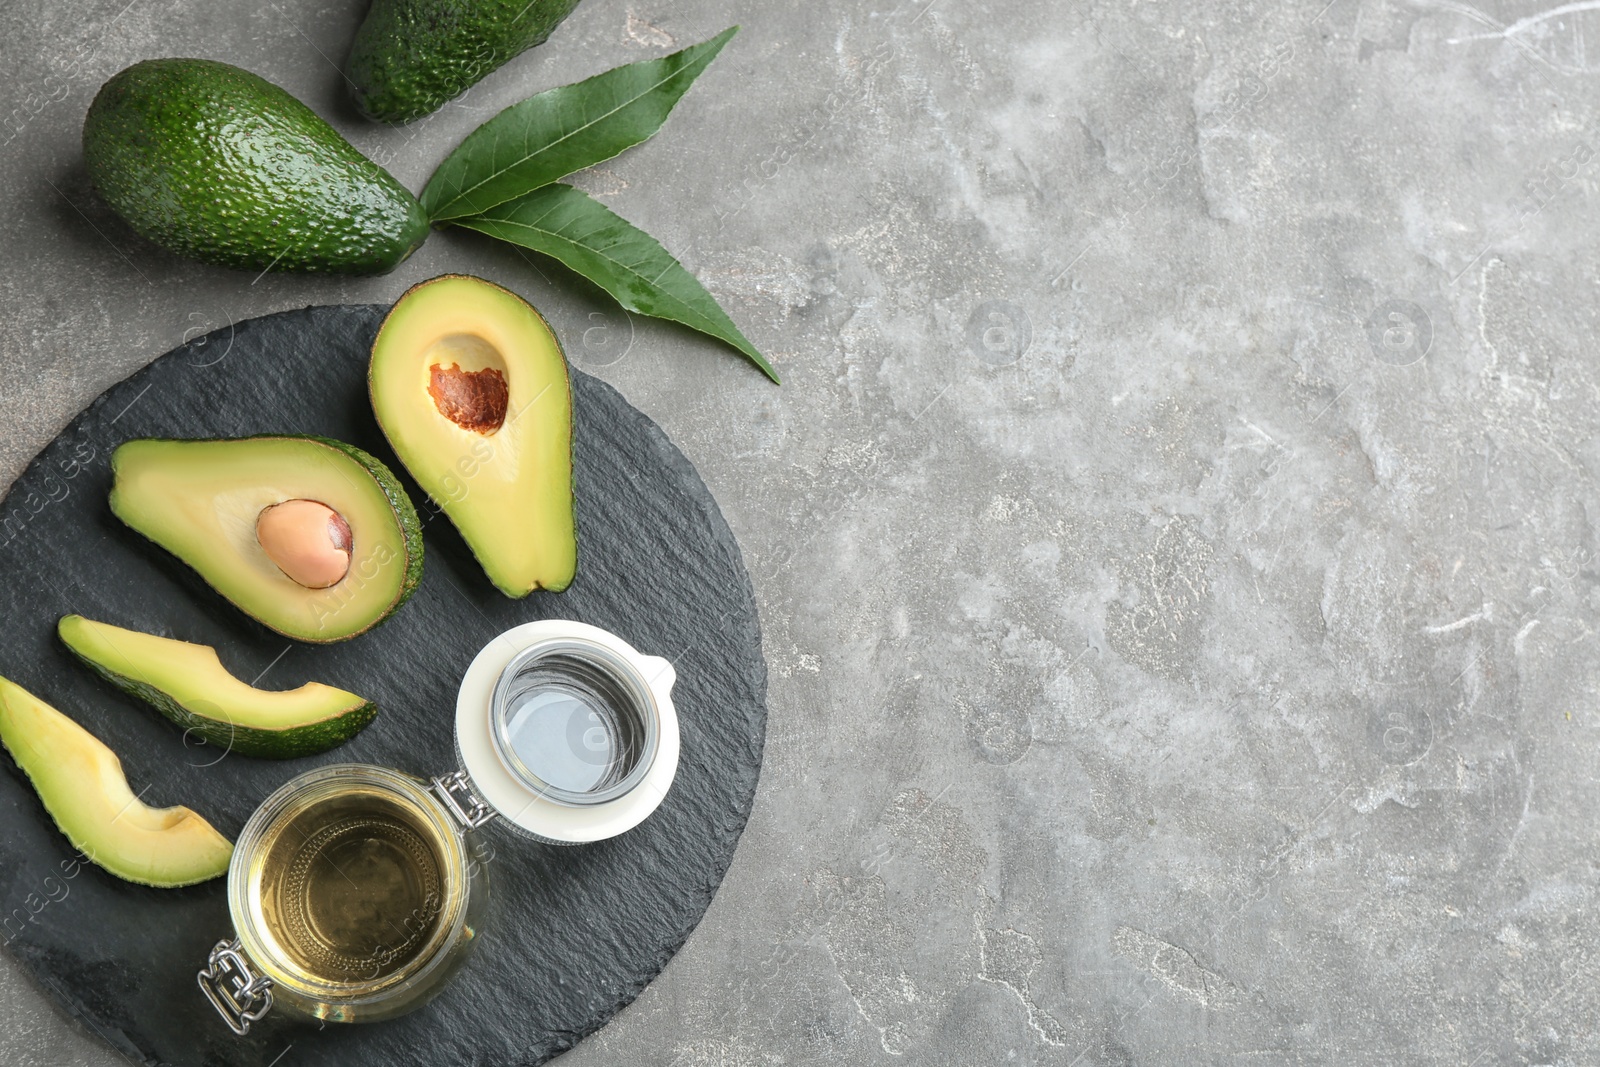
[
  {"x": 217, "y": 164},
  {"x": 411, "y": 57}
]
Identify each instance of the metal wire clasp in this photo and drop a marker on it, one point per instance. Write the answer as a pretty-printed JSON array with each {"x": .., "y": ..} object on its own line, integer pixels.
[
  {"x": 454, "y": 790},
  {"x": 240, "y": 995}
]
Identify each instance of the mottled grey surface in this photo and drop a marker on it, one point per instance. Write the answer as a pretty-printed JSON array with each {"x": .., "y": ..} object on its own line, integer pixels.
[{"x": 1173, "y": 537}]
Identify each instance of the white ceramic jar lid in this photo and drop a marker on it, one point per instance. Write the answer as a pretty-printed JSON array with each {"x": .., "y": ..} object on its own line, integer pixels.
[{"x": 567, "y": 731}]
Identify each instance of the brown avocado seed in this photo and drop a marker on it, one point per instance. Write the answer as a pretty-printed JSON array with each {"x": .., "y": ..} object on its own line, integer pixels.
[
  {"x": 472, "y": 399},
  {"x": 308, "y": 540}
]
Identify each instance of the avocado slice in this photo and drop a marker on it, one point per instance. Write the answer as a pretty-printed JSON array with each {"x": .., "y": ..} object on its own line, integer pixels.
[
  {"x": 217, "y": 164},
  {"x": 411, "y": 57},
  {"x": 470, "y": 386},
  {"x": 83, "y": 788},
  {"x": 189, "y": 685},
  {"x": 215, "y": 504}
]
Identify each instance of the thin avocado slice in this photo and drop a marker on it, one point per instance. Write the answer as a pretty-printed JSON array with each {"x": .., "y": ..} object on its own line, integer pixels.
[
  {"x": 83, "y": 788},
  {"x": 189, "y": 685},
  {"x": 471, "y": 388},
  {"x": 263, "y": 519}
]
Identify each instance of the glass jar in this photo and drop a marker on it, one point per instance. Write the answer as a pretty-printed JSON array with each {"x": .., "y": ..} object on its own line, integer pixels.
[{"x": 353, "y": 889}]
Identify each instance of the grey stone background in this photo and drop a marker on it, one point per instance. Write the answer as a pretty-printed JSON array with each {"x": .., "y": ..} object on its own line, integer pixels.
[{"x": 1173, "y": 537}]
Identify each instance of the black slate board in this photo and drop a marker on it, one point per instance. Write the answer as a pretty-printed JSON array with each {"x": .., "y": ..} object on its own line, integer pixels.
[{"x": 574, "y": 933}]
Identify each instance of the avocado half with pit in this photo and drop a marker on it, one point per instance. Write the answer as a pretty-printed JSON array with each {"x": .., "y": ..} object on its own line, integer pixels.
[
  {"x": 470, "y": 386},
  {"x": 314, "y": 538},
  {"x": 81, "y": 784},
  {"x": 189, "y": 685}
]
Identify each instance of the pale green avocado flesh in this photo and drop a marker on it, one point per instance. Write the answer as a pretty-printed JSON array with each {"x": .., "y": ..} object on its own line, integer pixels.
[
  {"x": 189, "y": 685},
  {"x": 200, "y": 500},
  {"x": 81, "y": 784},
  {"x": 471, "y": 388}
]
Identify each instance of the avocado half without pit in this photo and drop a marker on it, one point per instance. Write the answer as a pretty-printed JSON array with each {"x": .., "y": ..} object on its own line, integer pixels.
[
  {"x": 470, "y": 386},
  {"x": 314, "y": 538}
]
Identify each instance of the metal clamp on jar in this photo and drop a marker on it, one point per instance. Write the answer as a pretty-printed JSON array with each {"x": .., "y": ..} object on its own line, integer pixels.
[{"x": 353, "y": 892}]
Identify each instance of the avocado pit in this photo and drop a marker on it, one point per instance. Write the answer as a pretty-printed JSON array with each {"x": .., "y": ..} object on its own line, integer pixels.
[
  {"x": 308, "y": 540},
  {"x": 472, "y": 399}
]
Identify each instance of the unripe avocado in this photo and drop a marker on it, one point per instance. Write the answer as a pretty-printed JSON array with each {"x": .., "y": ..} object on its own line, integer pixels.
[
  {"x": 411, "y": 57},
  {"x": 215, "y": 163}
]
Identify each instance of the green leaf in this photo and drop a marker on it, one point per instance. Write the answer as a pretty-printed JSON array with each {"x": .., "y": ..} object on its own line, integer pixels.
[
  {"x": 564, "y": 223},
  {"x": 550, "y": 135}
]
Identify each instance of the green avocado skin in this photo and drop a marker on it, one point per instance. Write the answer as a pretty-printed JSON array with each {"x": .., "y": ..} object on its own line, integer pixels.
[
  {"x": 306, "y": 740},
  {"x": 411, "y": 57},
  {"x": 217, "y": 164}
]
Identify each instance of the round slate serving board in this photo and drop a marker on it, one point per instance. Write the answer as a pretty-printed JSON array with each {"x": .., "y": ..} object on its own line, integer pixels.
[{"x": 574, "y": 933}]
